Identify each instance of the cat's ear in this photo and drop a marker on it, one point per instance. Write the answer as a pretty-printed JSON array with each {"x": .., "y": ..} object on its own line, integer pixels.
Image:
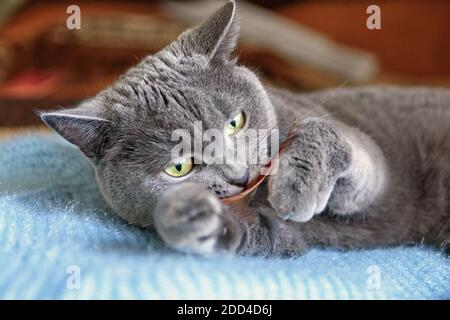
[
  {"x": 216, "y": 37},
  {"x": 81, "y": 127}
]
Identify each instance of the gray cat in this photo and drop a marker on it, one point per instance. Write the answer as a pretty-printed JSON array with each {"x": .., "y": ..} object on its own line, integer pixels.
[{"x": 366, "y": 167}]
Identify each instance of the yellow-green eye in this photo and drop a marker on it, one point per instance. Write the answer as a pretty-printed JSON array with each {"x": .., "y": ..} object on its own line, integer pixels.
[
  {"x": 180, "y": 169},
  {"x": 236, "y": 124}
]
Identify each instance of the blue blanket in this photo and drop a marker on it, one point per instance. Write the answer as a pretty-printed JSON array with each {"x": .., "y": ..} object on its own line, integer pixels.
[{"x": 58, "y": 240}]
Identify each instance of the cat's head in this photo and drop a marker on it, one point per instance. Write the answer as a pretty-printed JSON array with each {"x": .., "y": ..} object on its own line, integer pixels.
[{"x": 126, "y": 130}]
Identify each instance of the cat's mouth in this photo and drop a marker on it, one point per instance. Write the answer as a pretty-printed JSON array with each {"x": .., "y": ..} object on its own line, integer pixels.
[
  {"x": 252, "y": 185},
  {"x": 265, "y": 171}
]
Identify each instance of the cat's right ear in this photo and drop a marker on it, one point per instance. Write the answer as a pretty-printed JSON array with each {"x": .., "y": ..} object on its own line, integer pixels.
[
  {"x": 215, "y": 38},
  {"x": 87, "y": 131}
]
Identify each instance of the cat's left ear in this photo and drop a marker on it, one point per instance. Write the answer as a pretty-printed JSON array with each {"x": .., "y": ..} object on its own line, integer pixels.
[
  {"x": 215, "y": 38},
  {"x": 82, "y": 127}
]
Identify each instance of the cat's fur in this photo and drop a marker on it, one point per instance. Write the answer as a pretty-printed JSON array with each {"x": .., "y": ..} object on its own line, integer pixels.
[{"x": 368, "y": 167}]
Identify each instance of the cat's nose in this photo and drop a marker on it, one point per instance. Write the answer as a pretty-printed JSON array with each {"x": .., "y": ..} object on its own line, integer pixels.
[{"x": 240, "y": 181}]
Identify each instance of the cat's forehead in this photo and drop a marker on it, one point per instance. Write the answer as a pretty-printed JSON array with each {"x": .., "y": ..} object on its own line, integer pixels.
[
  {"x": 163, "y": 97},
  {"x": 150, "y": 115}
]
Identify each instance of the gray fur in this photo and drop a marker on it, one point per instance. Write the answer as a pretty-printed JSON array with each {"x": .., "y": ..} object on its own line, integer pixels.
[{"x": 368, "y": 167}]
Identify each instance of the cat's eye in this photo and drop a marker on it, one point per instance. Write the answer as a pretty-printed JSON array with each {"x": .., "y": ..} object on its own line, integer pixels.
[
  {"x": 180, "y": 169},
  {"x": 236, "y": 124}
]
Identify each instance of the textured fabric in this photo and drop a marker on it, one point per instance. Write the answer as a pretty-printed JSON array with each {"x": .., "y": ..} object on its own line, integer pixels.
[{"x": 53, "y": 218}]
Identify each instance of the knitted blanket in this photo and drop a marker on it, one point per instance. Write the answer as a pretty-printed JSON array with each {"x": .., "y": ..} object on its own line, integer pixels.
[{"x": 59, "y": 240}]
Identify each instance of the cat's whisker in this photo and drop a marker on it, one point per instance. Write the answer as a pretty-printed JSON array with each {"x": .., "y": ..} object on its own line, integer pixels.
[{"x": 334, "y": 93}]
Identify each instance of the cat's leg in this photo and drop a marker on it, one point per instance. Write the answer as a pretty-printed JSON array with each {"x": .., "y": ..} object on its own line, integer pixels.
[
  {"x": 191, "y": 219},
  {"x": 326, "y": 164}
]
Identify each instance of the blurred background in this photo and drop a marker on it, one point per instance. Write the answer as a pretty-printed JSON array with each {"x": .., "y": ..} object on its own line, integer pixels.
[{"x": 300, "y": 44}]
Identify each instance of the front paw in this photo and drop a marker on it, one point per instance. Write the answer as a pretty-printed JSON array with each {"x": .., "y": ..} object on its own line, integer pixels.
[
  {"x": 308, "y": 170},
  {"x": 189, "y": 219},
  {"x": 296, "y": 195}
]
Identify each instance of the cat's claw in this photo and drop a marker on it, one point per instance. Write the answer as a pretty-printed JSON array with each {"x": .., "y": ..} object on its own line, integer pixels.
[{"x": 189, "y": 219}]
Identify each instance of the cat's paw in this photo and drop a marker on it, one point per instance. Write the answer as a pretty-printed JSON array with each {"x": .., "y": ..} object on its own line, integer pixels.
[
  {"x": 297, "y": 196},
  {"x": 189, "y": 219},
  {"x": 308, "y": 170}
]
